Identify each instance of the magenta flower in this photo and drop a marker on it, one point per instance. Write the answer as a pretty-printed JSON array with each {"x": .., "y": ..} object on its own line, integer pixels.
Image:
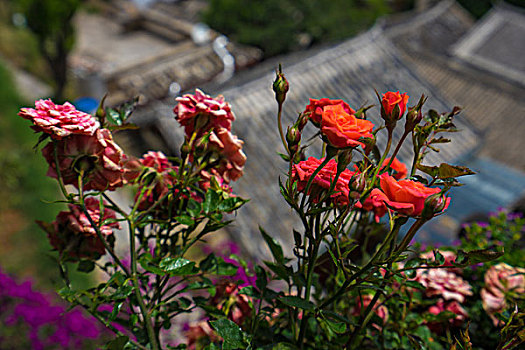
[
  {"x": 202, "y": 112},
  {"x": 98, "y": 156},
  {"x": 72, "y": 233},
  {"x": 59, "y": 121}
]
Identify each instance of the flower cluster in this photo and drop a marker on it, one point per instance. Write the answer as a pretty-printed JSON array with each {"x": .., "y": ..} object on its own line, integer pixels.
[
  {"x": 444, "y": 284},
  {"x": 39, "y": 320},
  {"x": 75, "y": 236}
]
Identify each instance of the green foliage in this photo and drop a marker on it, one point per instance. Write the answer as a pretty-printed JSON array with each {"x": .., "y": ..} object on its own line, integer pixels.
[{"x": 279, "y": 26}]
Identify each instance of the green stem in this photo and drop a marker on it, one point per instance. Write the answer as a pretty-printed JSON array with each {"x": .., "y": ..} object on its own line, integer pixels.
[
  {"x": 145, "y": 314},
  {"x": 408, "y": 237},
  {"x": 396, "y": 151},
  {"x": 59, "y": 175},
  {"x": 311, "y": 266},
  {"x": 280, "y": 125}
]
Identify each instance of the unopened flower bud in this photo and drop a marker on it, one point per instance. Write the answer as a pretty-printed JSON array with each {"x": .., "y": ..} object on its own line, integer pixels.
[
  {"x": 302, "y": 121},
  {"x": 413, "y": 118},
  {"x": 293, "y": 135},
  {"x": 357, "y": 182},
  {"x": 434, "y": 204},
  {"x": 280, "y": 86}
]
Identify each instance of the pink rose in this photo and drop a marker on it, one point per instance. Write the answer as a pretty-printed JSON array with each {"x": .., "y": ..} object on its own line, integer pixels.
[
  {"x": 59, "y": 121},
  {"x": 203, "y": 112},
  {"x": 501, "y": 281},
  {"x": 315, "y": 109},
  {"x": 232, "y": 158},
  {"x": 72, "y": 233},
  {"x": 99, "y": 156},
  {"x": 449, "y": 256},
  {"x": 444, "y": 284},
  {"x": 343, "y": 130},
  {"x": 453, "y": 306}
]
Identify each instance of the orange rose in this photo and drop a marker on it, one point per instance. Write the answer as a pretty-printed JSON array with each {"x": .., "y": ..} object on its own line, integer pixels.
[
  {"x": 344, "y": 130},
  {"x": 315, "y": 108},
  {"x": 399, "y": 168},
  {"x": 406, "y": 197},
  {"x": 392, "y": 99}
]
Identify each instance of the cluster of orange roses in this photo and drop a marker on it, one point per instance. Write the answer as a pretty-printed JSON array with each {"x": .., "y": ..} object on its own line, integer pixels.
[{"x": 341, "y": 129}]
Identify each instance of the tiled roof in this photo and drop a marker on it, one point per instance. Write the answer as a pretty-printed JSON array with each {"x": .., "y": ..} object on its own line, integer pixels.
[{"x": 496, "y": 44}]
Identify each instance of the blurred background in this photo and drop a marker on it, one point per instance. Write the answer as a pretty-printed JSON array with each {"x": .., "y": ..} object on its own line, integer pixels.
[{"x": 467, "y": 53}]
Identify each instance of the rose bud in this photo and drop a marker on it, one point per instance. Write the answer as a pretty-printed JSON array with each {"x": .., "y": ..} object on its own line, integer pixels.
[
  {"x": 293, "y": 136},
  {"x": 414, "y": 116},
  {"x": 393, "y": 106},
  {"x": 434, "y": 204},
  {"x": 280, "y": 86}
]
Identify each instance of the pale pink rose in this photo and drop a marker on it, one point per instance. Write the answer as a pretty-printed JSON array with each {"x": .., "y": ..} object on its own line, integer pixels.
[
  {"x": 444, "y": 284},
  {"x": 232, "y": 158},
  {"x": 72, "y": 233},
  {"x": 213, "y": 176},
  {"x": 501, "y": 281},
  {"x": 453, "y": 306},
  {"x": 449, "y": 256},
  {"x": 203, "y": 112},
  {"x": 99, "y": 156},
  {"x": 59, "y": 121},
  {"x": 156, "y": 160}
]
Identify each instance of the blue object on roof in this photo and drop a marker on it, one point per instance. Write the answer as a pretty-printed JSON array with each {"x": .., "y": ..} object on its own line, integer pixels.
[
  {"x": 86, "y": 104},
  {"x": 494, "y": 186}
]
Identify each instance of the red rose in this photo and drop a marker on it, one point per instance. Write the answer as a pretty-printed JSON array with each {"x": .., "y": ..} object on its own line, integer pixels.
[
  {"x": 344, "y": 130},
  {"x": 73, "y": 234},
  {"x": 59, "y": 121},
  {"x": 400, "y": 168},
  {"x": 315, "y": 108},
  {"x": 99, "y": 156},
  {"x": 302, "y": 171},
  {"x": 392, "y": 99},
  {"x": 405, "y": 196},
  {"x": 203, "y": 112}
]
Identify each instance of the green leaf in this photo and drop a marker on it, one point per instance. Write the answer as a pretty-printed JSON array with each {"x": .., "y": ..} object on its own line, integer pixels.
[
  {"x": 477, "y": 256},
  {"x": 147, "y": 265},
  {"x": 211, "y": 201},
  {"x": 118, "y": 343},
  {"x": 185, "y": 220},
  {"x": 336, "y": 327},
  {"x": 439, "y": 258},
  {"x": 113, "y": 116},
  {"x": 295, "y": 301},
  {"x": 445, "y": 171},
  {"x": 279, "y": 270},
  {"x": 249, "y": 291},
  {"x": 216, "y": 265},
  {"x": 274, "y": 246},
  {"x": 193, "y": 208},
  {"x": 232, "y": 203},
  {"x": 178, "y": 266},
  {"x": 86, "y": 266},
  {"x": 231, "y": 333}
]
